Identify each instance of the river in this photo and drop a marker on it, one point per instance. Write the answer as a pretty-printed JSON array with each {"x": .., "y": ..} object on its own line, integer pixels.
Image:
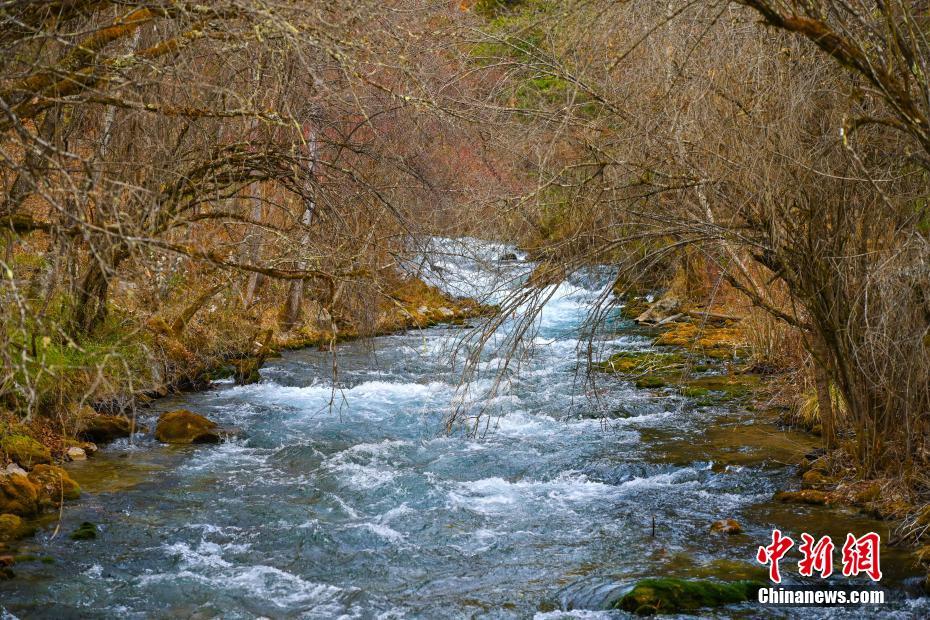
[{"x": 350, "y": 499}]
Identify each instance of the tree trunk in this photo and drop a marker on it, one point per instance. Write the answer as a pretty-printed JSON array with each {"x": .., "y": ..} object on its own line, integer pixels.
[
  {"x": 824, "y": 396},
  {"x": 256, "y": 280},
  {"x": 295, "y": 294}
]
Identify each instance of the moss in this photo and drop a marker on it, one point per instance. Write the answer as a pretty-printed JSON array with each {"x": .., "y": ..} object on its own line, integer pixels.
[
  {"x": 85, "y": 531},
  {"x": 53, "y": 484},
  {"x": 694, "y": 392},
  {"x": 25, "y": 450},
  {"x": 18, "y": 495},
  {"x": 806, "y": 496},
  {"x": 14, "y": 528},
  {"x": 813, "y": 478},
  {"x": 634, "y": 362},
  {"x": 186, "y": 427},
  {"x": 721, "y": 388},
  {"x": 101, "y": 428},
  {"x": 713, "y": 342},
  {"x": 651, "y": 381},
  {"x": 671, "y": 595}
]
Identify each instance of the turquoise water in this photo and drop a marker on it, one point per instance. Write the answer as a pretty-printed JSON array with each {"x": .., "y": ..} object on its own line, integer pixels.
[{"x": 350, "y": 499}]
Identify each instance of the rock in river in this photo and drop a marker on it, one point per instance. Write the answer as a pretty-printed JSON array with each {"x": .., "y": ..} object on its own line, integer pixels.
[
  {"x": 670, "y": 595},
  {"x": 185, "y": 427},
  {"x": 726, "y": 526},
  {"x": 101, "y": 428},
  {"x": 18, "y": 495},
  {"x": 53, "y": 484},
  {"x": 13, "y": 528}
]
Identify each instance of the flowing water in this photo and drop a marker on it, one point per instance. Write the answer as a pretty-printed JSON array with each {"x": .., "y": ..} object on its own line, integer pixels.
[{"x": 350, "y": 499}]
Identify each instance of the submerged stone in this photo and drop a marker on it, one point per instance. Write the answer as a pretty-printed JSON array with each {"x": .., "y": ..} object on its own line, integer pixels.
[
  {"x": 671, "y": 595},
  {"x": 186, "y": 427},
  {"x": 13, "y": 528}
]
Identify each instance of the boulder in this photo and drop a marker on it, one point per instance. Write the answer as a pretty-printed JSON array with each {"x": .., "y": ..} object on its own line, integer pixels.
[
  {"x": 186, "y": 427},
  {"x": 24, "y": 450},
  {"x": 13, "y": 528},
  {"x": 682, "y": 595},
  {"x": 18, "y": 495},
  {"x": 85, "y": 531},
  {"x": 75, "y": 453},
  {"x": 726, "y": 526},
  {"x": 100, "y": 428},
  {"x": 661, "y": 310},
  {"x": 53, "y": 484}
]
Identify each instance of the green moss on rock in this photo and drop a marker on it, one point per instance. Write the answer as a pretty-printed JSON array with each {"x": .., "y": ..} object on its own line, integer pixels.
[
  {"x": 671, "y": 595},
  {"x": 651, "y": 381},
  {"x": 53, "y": 484},
  {"x": 186, "y": 427},
  {"x": 101, "y": 428},
  {"x": 25, "y": 450},
  {"x": 715, "y": 389},
  {"x": 85, "y": 531},
  {"x": 18, "y": 495},
  {"x": 13, "y": 528},
  {"x": 634, "y": 362}
]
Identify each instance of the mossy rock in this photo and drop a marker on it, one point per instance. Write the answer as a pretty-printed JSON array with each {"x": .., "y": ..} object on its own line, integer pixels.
[
  {"x": 813, "y": 478},
  {"x": 53, "y": 484},
  {"x": 246, "y": 370},
  {"x": 18, "y": 495},
  {"x": 13, "y": 528},
  {"x": 671, "y": 595},
  {"x": 186, "y": 427},
  {"x": 634, "y": 307},
  {"x": 25, "y": 450},
  {"x": 721, "y": 388},
  {"x": 636, "y": 362},
  {"x": 712, "y": 342},
  {"x": 811, "y": 497},
  {"x": 100, "y": 428},
  {"x": 85, "y": 531},
  {"x": 651, "y": 381}
]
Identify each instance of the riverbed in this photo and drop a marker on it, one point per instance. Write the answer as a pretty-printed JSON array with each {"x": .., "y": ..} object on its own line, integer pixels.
[{"x": 349, "y": 494}]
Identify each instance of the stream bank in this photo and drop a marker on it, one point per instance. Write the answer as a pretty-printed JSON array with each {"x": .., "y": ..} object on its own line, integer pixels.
[{"x": 349, "y": 498}]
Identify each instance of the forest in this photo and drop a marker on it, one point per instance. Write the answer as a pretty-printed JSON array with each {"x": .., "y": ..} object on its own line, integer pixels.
[{"x": 192, "y": 192}]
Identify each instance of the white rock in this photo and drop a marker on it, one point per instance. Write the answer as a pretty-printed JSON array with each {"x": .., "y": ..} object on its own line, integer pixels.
[
  {"x": 76, "y": 454},
  {"x": 13, "y": 468}
]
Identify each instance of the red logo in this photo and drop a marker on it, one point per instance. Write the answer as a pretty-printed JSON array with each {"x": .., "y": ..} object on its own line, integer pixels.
[
  {"x": 817, "y": 556},
  {"x": 773, "y": 553},
  {"x": 860, "y": 555}
]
